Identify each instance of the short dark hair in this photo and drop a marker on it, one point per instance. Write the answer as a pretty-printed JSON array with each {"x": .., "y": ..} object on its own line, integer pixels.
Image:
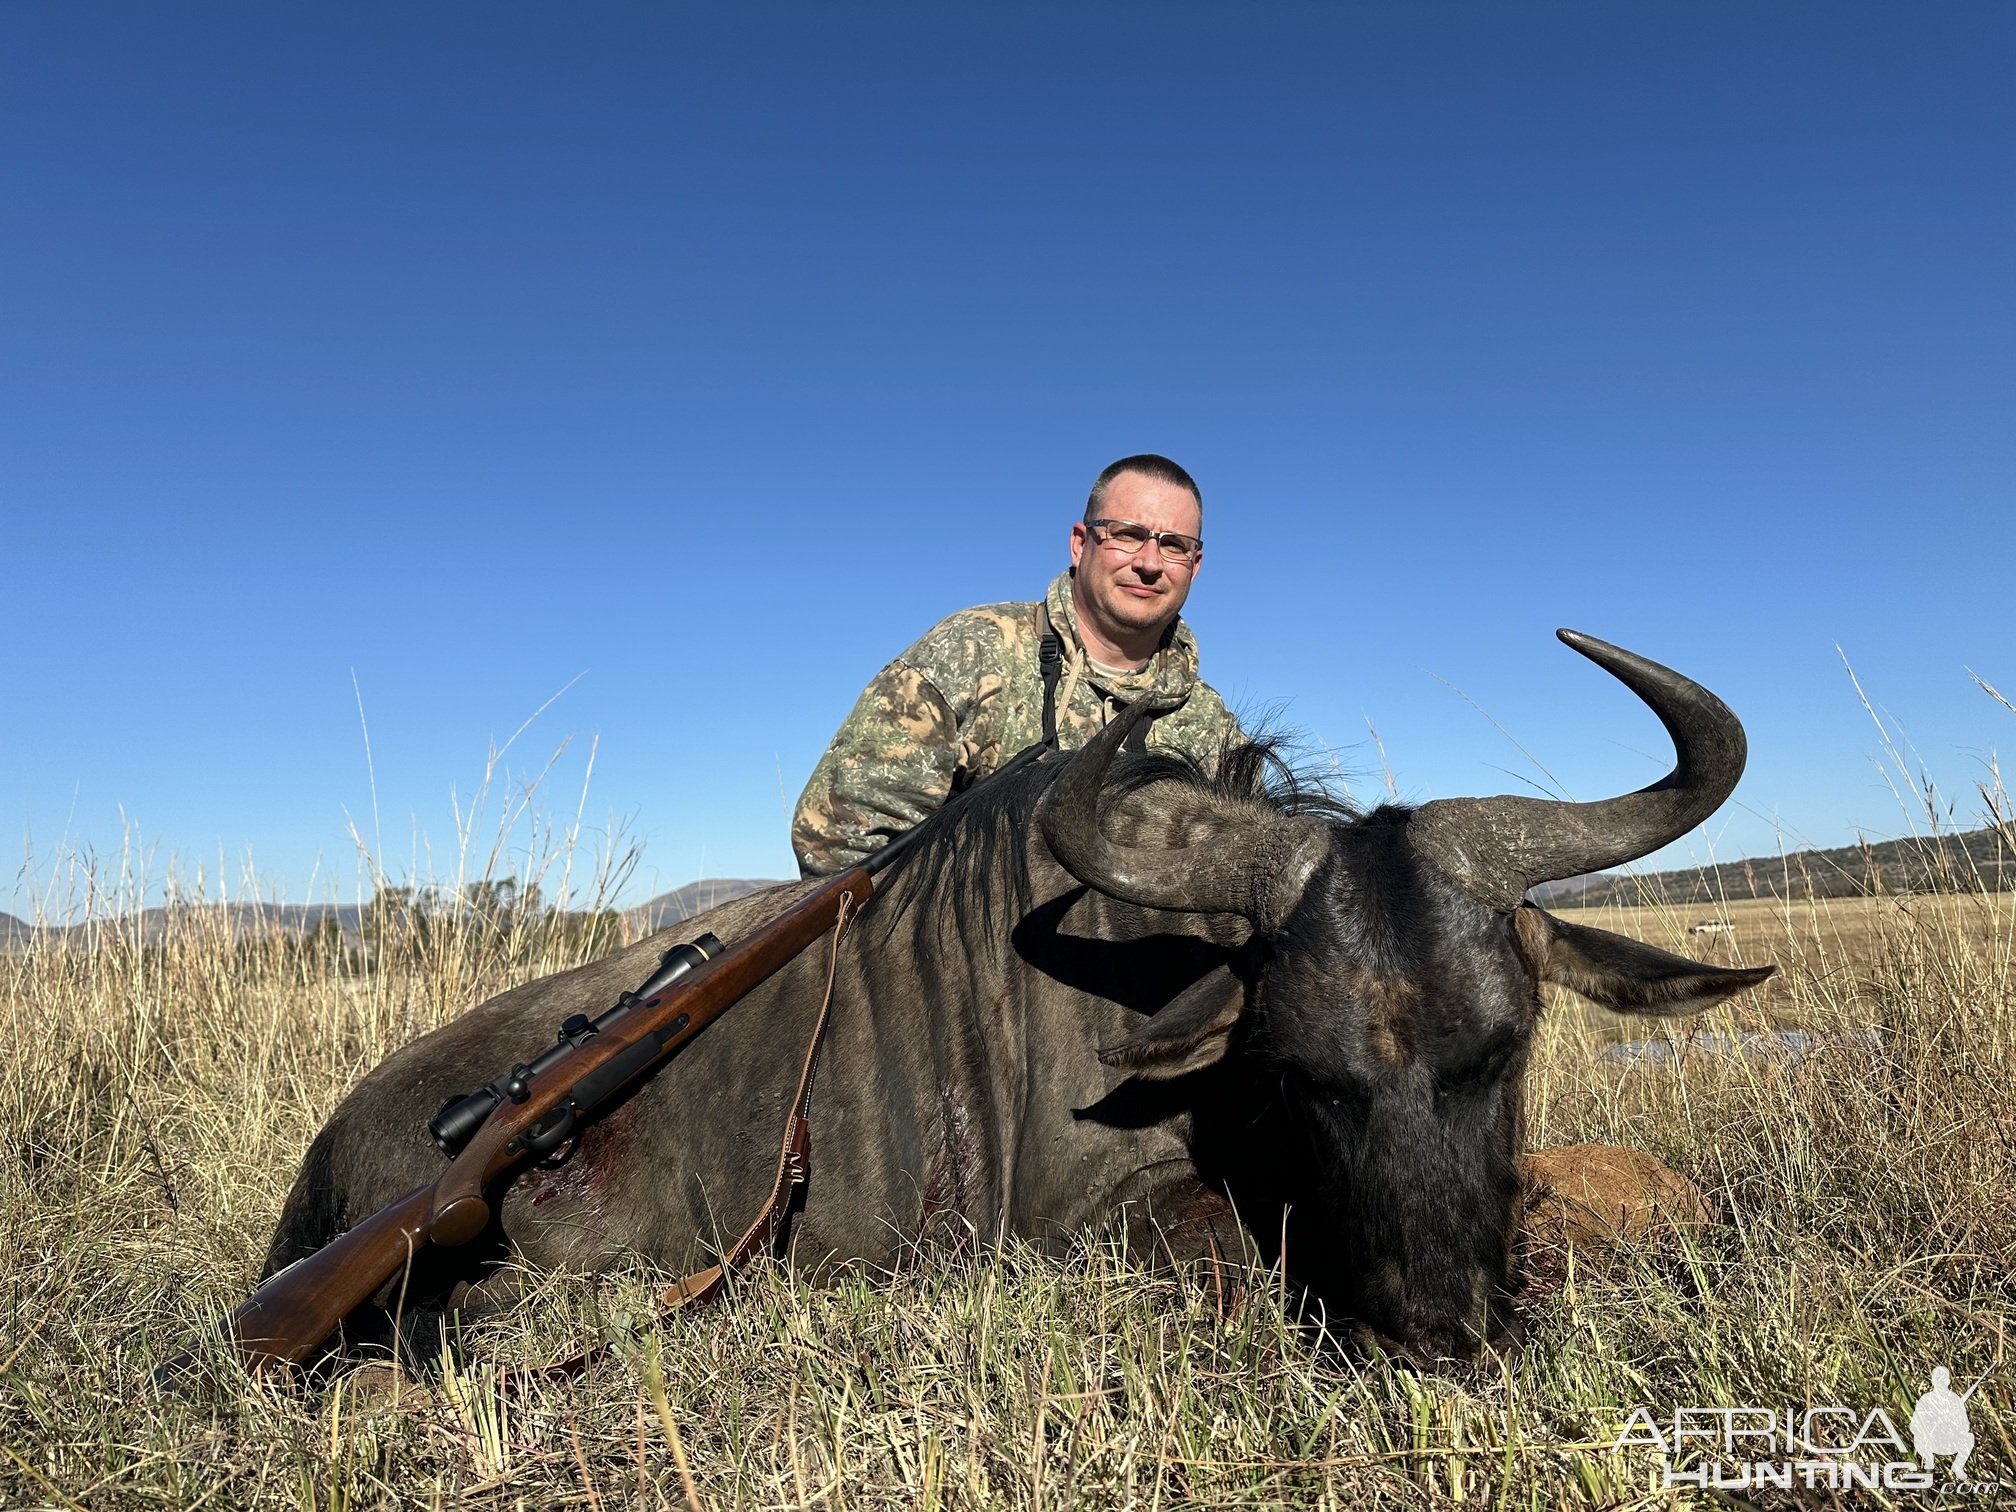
[{"x": 1149, "y": 465}]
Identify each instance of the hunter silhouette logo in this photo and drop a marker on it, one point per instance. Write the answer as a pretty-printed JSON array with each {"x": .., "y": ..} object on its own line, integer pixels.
[{"x": 1939, "y": 1423}]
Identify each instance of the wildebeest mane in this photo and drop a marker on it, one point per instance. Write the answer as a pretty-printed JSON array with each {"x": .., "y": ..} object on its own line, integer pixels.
[
  {"x": 967, "y": 862},
  {"x": 1262, "y": 768}
]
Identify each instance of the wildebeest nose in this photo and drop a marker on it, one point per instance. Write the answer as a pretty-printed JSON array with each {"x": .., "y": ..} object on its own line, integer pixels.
[
  {"x": 1454, "y": 1350},
  {"x": 1445, "y": 1355}
]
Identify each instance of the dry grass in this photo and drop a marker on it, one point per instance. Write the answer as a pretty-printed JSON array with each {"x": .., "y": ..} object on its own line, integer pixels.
[{"x": 156, "y": 1097}]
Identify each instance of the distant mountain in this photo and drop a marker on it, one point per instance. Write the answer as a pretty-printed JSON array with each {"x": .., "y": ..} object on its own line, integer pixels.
[
  {"x": 1983, "y": 859},
  {"x": 245, "y": 921},
  {"x": 242, "y": 920},
  {"x": 1969, "y": 862},
  {"x": 1566, "y": 889},
  {"x": 683, "y": 903}
]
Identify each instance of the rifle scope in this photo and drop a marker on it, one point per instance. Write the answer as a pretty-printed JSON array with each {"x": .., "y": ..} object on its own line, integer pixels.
[{"x": 460, "y": 1117}]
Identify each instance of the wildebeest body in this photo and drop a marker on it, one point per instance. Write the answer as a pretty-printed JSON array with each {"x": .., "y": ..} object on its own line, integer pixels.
[
  {"x": 948, "y": 1093},
  {"x": 1093, "y": 990}
]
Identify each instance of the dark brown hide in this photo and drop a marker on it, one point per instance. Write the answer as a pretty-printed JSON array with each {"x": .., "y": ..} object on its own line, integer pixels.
[{"x": 1091, "y": 992}]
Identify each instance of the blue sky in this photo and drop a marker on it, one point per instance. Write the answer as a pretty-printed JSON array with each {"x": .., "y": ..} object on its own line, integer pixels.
[{"x": 695, "y": 361}]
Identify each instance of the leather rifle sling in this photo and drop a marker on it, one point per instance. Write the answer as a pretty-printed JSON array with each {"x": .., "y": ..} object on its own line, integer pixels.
[
  {"x": 794, "y": 1159},
  {"x": 794, "y": 1168}
]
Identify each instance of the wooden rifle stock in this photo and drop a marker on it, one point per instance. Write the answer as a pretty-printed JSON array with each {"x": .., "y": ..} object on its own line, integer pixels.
[{"x": 290, "y": 1317}]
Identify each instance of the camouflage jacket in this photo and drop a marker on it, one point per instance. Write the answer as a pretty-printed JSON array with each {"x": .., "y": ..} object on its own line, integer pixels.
[{"x": 964, "y": 699}]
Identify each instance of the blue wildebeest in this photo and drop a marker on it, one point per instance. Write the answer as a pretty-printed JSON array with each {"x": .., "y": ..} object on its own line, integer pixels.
[{"x": 1233, "y": 1012}]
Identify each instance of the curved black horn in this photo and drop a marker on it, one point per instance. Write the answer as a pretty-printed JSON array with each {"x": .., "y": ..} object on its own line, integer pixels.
[
  {"x": 1496, "y": 848},
  {"x": 1257, "y": 870}
]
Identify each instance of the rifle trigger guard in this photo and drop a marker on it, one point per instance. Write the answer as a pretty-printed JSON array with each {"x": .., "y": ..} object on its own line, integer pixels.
[{"x": 550, "y": 1135}]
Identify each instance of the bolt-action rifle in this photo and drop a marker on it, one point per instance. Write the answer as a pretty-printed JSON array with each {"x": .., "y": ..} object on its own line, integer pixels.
[{"x": 531, "y": 1111}]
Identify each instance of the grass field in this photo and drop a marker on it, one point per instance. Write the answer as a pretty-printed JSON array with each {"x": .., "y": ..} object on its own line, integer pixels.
[{"x": 156, "y": 1098}]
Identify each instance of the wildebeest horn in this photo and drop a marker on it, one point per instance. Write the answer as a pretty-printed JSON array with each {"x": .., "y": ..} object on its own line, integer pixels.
[
  {"x": 1254, "y": 862},
  {"x": 1496, "y": 848}
]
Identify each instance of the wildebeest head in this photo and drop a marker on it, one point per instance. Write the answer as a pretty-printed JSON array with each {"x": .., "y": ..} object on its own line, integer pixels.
[{"x": 1400, "y": 989}]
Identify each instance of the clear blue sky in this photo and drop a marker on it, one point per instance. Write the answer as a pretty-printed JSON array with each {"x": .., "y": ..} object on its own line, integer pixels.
[{"x": 697, "y": 360}]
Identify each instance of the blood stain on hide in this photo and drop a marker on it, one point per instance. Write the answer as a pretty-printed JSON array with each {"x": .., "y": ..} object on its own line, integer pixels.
[{"x": 585, "y": 1173}]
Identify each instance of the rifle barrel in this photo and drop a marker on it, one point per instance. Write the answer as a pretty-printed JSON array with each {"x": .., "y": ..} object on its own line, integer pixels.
[{"x": 290, "y": 1317}]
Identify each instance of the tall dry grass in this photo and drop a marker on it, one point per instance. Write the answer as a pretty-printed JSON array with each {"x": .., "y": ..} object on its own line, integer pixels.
[{"x": 157, "y": 1093}]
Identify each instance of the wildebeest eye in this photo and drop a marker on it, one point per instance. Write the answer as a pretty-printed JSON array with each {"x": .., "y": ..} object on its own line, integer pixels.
[{"x": 1490, "y": 1059}]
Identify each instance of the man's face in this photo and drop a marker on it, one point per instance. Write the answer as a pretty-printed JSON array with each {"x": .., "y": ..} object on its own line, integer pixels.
[{"x": 1135, "y": 595}]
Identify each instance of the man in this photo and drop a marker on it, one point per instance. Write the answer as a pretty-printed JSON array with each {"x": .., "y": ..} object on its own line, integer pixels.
[{"x": 973, "y": 691}]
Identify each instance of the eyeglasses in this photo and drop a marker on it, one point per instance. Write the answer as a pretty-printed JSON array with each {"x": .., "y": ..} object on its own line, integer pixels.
[{"x": 1126, "y": 537}]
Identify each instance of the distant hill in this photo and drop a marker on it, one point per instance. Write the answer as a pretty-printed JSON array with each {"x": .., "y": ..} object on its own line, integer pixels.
[
  {"x": 1949, "y": 863},
  {"x": 683, "y": 903},
  {"x": 245, "y": 921},
  {"x": 1969, "y": 862},
  {"x": 1564, "y": 891},
  {"x": 242, "y": 920}
]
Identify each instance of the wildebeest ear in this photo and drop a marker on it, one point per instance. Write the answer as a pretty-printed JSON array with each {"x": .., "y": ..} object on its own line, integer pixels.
[
  {"x": 1189, "y": 1033},
  {"x": 1622, "y": 974}
]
